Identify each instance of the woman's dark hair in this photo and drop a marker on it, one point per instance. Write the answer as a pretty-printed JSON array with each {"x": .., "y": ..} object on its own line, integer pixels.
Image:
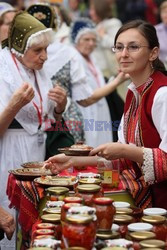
[
  {"x": 103, "y": 8},
  {"x": 149, "y": 32},
  {"x": 64, "y": 13}
]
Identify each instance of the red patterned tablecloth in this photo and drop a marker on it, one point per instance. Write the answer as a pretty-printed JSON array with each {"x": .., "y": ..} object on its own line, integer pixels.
[{"x": 25, "y": 197}]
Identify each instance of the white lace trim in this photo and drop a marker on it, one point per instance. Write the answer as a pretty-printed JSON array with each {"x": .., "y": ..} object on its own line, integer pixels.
[{"x": 148, "y": 166}]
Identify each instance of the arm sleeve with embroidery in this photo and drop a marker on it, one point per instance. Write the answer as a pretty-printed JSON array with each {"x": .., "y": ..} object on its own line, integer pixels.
[{"x": 155, "y": 160}]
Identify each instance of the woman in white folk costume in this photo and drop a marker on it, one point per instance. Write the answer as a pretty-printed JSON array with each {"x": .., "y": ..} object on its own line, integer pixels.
[
  {"x": 97, "y": 120},
  {"x": 21, "y": 61}
]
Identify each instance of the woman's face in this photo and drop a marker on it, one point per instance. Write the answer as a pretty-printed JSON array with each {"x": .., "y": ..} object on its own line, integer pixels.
[
  {"x": 7, "y": 19},
  {"x": 86, "y": 44},
  {"x": 163, "y": 15},
  {"x": 35, "y": 56},
  {"x": 133, "y": 62}
]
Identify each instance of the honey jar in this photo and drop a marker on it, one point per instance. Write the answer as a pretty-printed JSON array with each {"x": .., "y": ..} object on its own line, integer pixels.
[{"x": 57, "y": 193}]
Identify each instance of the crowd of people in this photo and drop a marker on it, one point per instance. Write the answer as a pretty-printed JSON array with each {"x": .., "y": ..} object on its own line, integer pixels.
[{"x": 59, "y": 64}]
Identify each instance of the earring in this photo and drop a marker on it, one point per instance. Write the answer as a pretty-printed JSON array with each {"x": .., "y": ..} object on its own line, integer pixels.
[{"x": 151, "y": 64}]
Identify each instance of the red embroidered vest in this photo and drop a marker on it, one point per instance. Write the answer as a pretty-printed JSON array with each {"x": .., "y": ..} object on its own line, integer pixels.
[{"x": 149, "y": 136}]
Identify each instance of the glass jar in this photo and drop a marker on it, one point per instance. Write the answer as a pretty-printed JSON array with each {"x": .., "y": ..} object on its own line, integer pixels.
[
  {"x": 152, "y": 244},
  {"x": 109, "y": 170},
  {"x": 57, "y": 193},
  {"x": 105, "y": 213},
  {"x": 79, "y": 231},
  {"x": 136, "y": 237},
  {"x": 88, "y": 192},
  {"x": 123, "y": 221},
  {"x": 65, "y": 209},
  {"x": 54, "y": 219},
  {"x": 159, "y": 227}
]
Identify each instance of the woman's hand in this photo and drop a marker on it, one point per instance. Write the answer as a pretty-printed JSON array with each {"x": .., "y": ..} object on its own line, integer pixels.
[
  {"x": 109, "y": 151},
  {"x": 22, "y": 96},
  {"x": 58, "y": 163},
  {"x": 58, "y": 95},
  {"x": 7, "y": 223},
  {"x": 121, "y": 77}
]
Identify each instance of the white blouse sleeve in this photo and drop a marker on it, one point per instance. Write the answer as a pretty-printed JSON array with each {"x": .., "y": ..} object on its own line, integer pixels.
[{"x": 159, "y": 115}]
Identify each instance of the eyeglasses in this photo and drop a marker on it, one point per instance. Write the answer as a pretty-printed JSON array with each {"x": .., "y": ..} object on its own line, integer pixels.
[{"x": 130, "y": 48}]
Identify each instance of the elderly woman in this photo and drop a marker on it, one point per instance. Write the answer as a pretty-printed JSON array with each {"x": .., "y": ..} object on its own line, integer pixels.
[
  {"x": 7, "y": 13},
  {"x": 98, "y": 124},
  {"x": 22, "y": 134}
]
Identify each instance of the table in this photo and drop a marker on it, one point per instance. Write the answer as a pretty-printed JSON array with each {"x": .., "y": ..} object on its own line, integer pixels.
[{"x": 25, "y": 197}]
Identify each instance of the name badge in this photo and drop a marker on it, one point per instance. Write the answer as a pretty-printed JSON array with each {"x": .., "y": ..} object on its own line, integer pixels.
[{"x": 40, "y": 137}]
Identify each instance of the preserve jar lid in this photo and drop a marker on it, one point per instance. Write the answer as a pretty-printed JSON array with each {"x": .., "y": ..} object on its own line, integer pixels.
[
  {"x": 39, "y": 237},
  {"x": 50, "y": 218},
  {"x": 152, "y": 243},
  {"x": 74, "y": 248},
  {"x": 114, "y": 248},
  {"x": 140, "y": 226},
  {"x": 68, "y": 205},
  {"x": 53, "y": 210},
  {"x": 154, "y": 219},
  {"x": 155, "y": 211},
  {"x": 142, "y": 235},
  {"x": 89, "y": 188},
  {"x": 123, "y": 218},
  {"x": 57, "y": 190},
  {"x": 45, "y": 225},
  {"x": 79, "y": 219},
  {"x": 121, "y": 204},
  {"x": 44, "y": 231},
  {"x": 122, "y": 210},
  {"x": 152, "y": 248},
  {"x": 40, "y": 248},
  {"x": 73, "y": 199},
  {"x": 90, "y": 181},
  {"x": 107, "y": 235},
  {"x": 103, "y": 201}
]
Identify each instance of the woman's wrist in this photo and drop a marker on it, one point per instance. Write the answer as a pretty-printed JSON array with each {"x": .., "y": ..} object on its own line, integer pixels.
[{"x": 58, "y": 112}]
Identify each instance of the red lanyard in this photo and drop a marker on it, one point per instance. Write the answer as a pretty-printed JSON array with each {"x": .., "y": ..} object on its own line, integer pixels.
[{"x": 38, "y": 109}]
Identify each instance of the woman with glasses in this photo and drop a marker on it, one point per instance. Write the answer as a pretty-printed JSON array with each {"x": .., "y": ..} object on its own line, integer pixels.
[{"x": 142, "y": 147}]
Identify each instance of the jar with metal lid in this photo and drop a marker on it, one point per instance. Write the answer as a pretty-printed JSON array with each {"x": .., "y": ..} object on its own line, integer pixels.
[
  {"x": 101, "y": 236},
  {"x": 123, "y": 221},
  {"x": 65, "y": 209},
  {"x": 88, "y": 192},
  {"x": 57, "y": 193},
  {"x": 105, "y": 212},
  {"x": 55, "y": 219},
  {"x": 159, "y": 227},
  {"x": 152, "y": 244},
  {"x": 79, "y": 230},
  {"x": 136, "y": 237}
]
